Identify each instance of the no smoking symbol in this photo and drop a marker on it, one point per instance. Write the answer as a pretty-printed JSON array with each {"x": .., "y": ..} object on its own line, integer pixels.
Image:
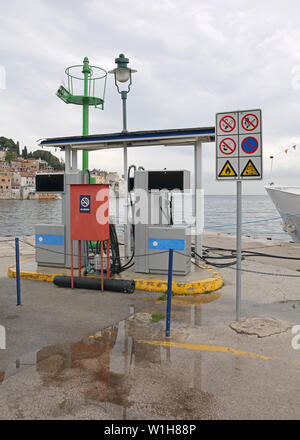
[
  {"x": 85, "y": 202},
  {"x": 227, "y": 146},
  {"x": 250, "y": 122},
  {"x": 227, "y": 124}
]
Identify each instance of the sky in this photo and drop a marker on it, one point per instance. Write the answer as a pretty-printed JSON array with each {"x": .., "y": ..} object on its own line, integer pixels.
[{"x": 194, "y": 58}]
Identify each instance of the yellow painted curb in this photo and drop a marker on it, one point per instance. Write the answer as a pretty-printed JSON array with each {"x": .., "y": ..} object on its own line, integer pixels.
[
  {"x": 37, "y": 276},
  {"x": 178, "y": 287},
  {"x": 182, "y": 287}
]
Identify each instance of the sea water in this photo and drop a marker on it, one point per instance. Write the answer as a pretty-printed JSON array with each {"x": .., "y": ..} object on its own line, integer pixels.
[{"x": 260, "y": 218}]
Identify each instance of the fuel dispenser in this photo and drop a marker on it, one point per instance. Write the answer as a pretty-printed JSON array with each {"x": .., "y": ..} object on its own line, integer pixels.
[
  {"x": 89, "y": 221},
  {"x": 154, "y": 231}
]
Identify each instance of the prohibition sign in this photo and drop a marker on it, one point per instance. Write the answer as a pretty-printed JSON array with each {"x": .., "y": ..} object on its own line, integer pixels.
[
  {"x": 227, "y": 146},
  {"x": 227, "y": 124},
  {"x": 249, "y": 122},
  {"x": 85, "y": 201},
  {"x": 249, "y": 145}
]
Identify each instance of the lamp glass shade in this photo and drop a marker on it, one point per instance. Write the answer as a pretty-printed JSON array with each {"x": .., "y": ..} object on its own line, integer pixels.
[{"x": 122, "y": 74}]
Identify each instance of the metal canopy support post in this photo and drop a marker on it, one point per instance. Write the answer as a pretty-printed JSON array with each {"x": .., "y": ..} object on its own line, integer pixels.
[
  {"x": 126, "y": 225},
  {"x": 198, "y": 199},
  {"x": 67, "y": 159},
  {"x": 238, "y": 248},
  {"x": 74, "y": 161}
]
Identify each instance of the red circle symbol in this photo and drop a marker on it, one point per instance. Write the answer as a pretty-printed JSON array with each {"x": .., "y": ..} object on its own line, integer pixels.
[
  {"x": 227, "y": 124},
  {"x": 227, "y": 146},
  {"x": 250, "y": 122},
  {"x": 249, "y": 145}
]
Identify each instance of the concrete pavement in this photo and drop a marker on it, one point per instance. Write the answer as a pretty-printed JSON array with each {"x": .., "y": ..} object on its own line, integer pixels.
[{"x": 82, "y": 354}]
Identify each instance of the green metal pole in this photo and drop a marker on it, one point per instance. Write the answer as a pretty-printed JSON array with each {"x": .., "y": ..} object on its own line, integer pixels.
[
  {"x": 124, "y": 98},
  {"x": 85, "y": 110},
  {"x": 126, "y": 225}
]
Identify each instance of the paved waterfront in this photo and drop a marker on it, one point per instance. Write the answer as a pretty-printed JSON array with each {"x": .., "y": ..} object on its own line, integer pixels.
[{"x": 61, "y": 364}]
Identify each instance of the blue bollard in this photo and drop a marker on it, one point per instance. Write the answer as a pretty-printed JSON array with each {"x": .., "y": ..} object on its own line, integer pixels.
[
  {"x": 18, "y": 272},
  {"x": 169, "y": 293}
]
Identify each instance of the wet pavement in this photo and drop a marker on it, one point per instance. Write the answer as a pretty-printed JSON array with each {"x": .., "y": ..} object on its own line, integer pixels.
[
  {"x": 93, "y": 355},
  {"x": 130, "y": 370}
]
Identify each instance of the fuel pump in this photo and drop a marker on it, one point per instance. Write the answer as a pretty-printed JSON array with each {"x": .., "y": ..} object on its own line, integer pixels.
[{"x": 155, "y": 232}]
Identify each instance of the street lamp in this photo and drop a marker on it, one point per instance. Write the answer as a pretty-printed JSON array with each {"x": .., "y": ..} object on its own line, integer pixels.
[{"x": 122, "y": 75}]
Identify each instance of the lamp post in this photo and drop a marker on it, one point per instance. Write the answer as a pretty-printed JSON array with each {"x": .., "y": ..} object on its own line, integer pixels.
[{"x": 123, "y": 74}]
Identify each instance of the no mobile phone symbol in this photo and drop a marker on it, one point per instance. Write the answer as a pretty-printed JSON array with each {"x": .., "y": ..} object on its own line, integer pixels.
[{"x": 250, "y": 122}]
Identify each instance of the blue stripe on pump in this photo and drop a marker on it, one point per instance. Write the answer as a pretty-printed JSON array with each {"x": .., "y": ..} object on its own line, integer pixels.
[
  {"x": 166, "y": 243},
  {"x": 54, "y": 240}
]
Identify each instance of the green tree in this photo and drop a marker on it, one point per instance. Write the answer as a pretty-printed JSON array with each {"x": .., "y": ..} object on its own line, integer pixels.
[
  {"x": 52, "y": 160},
  {"x": 24, "y": 153},
  {"x": 10, "y": 155},
  {"x": 9, "y": 145}
]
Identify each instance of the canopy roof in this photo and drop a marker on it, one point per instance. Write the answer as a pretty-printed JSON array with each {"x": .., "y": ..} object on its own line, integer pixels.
[{"x": 183, "y": 136}]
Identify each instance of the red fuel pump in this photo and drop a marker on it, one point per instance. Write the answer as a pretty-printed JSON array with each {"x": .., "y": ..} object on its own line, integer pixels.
[{"x": 89, "y": 220}]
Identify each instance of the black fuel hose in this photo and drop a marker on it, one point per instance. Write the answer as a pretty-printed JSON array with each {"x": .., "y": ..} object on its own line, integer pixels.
[{"x": 125, "y": 286}]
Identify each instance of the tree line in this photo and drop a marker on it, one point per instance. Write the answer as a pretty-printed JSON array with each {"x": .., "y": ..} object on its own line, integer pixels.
[{"x": 13, "y": 152}]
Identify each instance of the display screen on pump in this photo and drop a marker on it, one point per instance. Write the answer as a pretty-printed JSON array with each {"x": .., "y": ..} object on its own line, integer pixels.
[{"x": 53, "y": 182}]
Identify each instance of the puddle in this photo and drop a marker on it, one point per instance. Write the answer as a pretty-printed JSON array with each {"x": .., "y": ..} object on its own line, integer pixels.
[
  {"x": 130, "y": 370},
  {"x": 187, "y": 300},
  {"x": 112, "y": 374}
]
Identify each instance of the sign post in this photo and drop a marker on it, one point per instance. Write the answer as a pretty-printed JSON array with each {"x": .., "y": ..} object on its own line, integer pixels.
[
  {"x": 238, "y": 248},
  {"x": 239, "y": 157}
]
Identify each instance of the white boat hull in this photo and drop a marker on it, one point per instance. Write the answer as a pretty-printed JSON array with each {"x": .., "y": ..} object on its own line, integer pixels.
[{"x": 287, "y": 202}]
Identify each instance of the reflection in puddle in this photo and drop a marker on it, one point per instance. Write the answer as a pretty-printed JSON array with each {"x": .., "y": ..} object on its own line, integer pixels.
[
  {"x": 121, "y": 377},
  {"x": 188, "y": 300}
]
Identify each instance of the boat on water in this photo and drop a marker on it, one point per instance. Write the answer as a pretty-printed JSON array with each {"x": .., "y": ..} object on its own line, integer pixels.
[{"x": 287, "y": 202}]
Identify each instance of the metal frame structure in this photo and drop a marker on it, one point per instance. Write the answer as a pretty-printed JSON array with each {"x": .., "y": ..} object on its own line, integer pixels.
[
  {"x": 171, "y": 137},
  {"x": 90, "y": 74}
]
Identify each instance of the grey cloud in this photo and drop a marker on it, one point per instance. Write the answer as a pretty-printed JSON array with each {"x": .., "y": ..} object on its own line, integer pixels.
[{"x": 194, "y": 58}]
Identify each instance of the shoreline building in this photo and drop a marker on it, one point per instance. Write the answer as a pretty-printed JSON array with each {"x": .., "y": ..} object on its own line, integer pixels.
[{"x": 112, "y": 178}]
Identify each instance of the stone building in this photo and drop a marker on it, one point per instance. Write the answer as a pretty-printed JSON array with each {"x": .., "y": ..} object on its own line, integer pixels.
[{"x": 5, "y": 184}]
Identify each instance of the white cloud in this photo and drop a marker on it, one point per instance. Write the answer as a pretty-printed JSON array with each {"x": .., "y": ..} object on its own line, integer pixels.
[{"x": 194, "y": 58}]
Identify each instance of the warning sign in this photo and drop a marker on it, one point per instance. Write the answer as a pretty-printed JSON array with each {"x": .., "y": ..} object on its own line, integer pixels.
[
  {"x": 250, "y": 169},
  {"x": 227, "y": 170},
  {"x": 239, "y": 145}
]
